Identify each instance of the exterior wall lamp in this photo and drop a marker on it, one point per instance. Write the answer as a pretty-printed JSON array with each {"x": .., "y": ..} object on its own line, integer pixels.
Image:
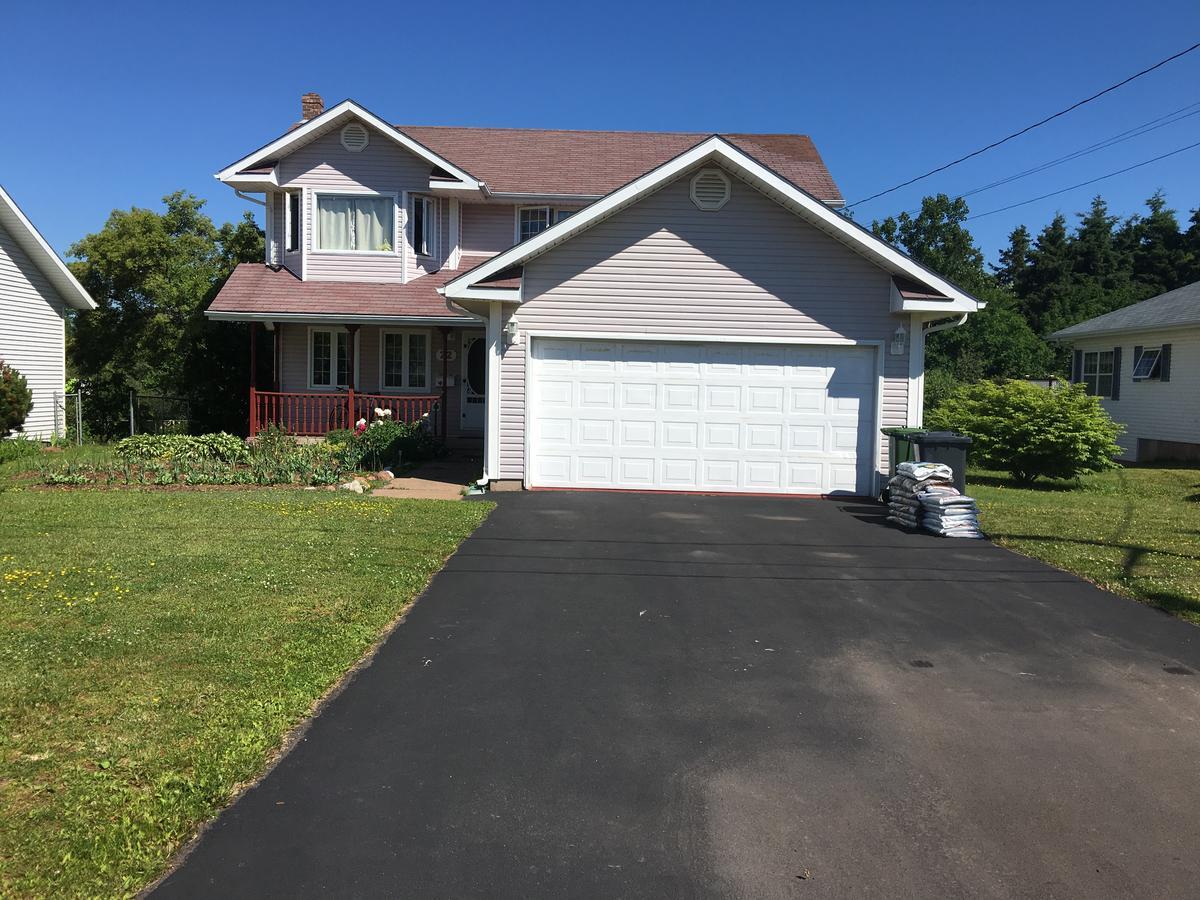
[
  {"x": 511, "y": 331},
  {"x": 898, "y": 340}
]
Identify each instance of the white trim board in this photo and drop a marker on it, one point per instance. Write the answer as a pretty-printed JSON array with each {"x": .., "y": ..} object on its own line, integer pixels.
[
  {"x": 30, "y": 240},
  {"x": 329, "y": 120},
  {"x": 717, "y": 150}
]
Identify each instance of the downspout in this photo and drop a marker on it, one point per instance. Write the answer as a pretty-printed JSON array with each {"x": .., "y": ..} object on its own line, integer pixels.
[{"x": 930, "y": 328}]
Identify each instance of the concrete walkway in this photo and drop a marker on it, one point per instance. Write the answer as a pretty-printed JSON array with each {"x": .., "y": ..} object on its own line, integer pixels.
[{"x": 439, "y": 479}]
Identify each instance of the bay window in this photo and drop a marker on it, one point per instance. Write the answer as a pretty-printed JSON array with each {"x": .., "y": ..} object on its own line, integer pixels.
[{"x": 355, "y": 224}]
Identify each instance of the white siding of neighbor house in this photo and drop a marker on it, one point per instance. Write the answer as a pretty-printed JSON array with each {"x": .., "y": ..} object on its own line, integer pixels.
[
  {"x": 293, "y": 373},
  {"x": 664, "y": 267},
  {"x": 32, "y": 336},
  {"x": 1155, "y": 410}
]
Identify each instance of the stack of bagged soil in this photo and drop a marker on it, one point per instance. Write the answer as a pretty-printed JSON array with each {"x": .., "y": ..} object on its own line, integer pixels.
[
  {"x": 904, "y": 504},
  {"x": 949, "y": 513}
]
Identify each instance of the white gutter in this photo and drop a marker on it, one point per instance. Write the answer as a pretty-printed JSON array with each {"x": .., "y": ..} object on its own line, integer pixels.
[
  {"x": 245, "y": 196},
  {"x": 930, "y": 328}
]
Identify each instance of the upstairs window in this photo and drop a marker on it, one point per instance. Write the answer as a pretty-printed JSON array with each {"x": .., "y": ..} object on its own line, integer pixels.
[
  {"x": 1098, "y": 373},
  {"x": 533, "y": 220},
  {"x": 354, "y": 224},
  {"x": 328, "y": 358},
  {"x": 293, "y": 222},
  {"x": 1148, "y": 365},
  {"x": 424, "y": 226}
]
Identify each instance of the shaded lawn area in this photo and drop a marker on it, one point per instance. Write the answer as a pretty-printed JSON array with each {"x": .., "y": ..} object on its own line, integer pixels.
[
  {"x": 157, "y": 646},
  {"x": 1134, "y": 531}
]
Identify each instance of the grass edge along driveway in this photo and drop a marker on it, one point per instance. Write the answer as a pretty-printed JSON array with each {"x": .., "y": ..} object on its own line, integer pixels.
[
  {"x": 1134, "y": 531},
  {"x": 159, "y": 646}
]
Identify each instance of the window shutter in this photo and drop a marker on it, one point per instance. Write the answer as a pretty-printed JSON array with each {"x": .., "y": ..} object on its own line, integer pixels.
[
  {"x": 1077, "y": 368},
  {"x": 1164, "y": 363},
  {"x": 1116, "y": 389}
]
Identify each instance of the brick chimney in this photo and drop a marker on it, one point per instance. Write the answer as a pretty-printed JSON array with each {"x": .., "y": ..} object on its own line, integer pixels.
[{"x": 311, "y": 106}]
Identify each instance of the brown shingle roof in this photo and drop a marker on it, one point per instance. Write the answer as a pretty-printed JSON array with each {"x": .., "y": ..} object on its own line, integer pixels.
[
  {"x": 257, "y": 289},
  {"x": 541, "y": 161}
]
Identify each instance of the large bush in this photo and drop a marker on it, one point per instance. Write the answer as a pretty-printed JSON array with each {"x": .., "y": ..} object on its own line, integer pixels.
[
  {"x": 16, "y": 400},
  {"x": 1031, "y": 431}
]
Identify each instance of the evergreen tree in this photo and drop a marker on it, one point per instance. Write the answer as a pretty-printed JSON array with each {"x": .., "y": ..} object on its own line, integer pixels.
[{"x": 1014, "y": 259}]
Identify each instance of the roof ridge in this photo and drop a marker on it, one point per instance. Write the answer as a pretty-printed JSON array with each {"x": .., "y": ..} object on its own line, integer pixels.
[{"x": 698, "y": 134}]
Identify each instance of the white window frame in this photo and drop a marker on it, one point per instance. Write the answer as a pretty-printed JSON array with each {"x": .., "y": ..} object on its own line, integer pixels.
[
  {"x": 356, "y": 356},
  {"x": 1155, "y": 367},
  {"x": 287, "y": 221},
  {"x": 554, "y": 215},
  {"x": 353, "y": 195},
  {"x": 1096, "y": 374},
  {"x": 432, "y": 229},
  {"x": 384, "y": 387}
]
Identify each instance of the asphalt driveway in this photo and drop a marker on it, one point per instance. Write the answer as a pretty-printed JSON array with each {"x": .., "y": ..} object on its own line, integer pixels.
[{"x": 617, "y": 695}]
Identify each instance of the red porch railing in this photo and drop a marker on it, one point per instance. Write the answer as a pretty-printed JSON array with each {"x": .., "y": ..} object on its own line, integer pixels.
[{"x": 317, "y": 413}]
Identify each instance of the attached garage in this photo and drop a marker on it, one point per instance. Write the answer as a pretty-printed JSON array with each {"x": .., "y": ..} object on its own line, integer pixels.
[
  {"x": 702, "y": 416},
  {"x": 707, "y": 327}
]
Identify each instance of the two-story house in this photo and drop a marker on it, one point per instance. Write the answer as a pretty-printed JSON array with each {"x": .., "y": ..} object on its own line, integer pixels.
[{"x": 624, "y": 310}]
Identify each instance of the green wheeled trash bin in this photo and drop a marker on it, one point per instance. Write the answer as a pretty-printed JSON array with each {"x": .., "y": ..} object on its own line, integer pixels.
[
  {"x": 945, "y": 447},
  {"x": 900, "y": 446}
]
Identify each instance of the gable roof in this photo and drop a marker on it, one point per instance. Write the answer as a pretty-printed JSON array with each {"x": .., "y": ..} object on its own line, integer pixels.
[
  {"x": 1174, "y": 309},
  {"x": 715, "y": 148},
  {"x": 42, "y": 254},
  {"x": 259, "y": 159},
  {"x": 551, "y": 162}
]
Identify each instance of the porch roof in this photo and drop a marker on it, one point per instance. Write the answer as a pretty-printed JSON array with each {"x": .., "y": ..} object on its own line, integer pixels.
[{"x": 256, "y": 292}]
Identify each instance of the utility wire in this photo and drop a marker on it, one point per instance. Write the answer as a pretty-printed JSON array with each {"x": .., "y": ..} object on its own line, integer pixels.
[
  {"x": 1028, "y": 128},
  {"x": 1083, "y": 183},
  {"x": 1127, "y": 135}
]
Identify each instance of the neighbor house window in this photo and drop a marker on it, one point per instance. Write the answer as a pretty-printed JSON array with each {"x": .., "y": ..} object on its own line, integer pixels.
[
  {"x": 1148, "y": 365},
  {"x": 329, "y": 358},
  {"x": 293, "y": 222},
  {"x": 405, "y": 356},
  {"x": 423, "y": 226},
  {"x": 355, "y": 224},
  {"x": 1098, "y": 373}
]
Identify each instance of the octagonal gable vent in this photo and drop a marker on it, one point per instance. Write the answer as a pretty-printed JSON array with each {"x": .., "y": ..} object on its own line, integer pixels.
[
  {"x": 355, "y": 137},
  {"x": 710, "y": 189}
]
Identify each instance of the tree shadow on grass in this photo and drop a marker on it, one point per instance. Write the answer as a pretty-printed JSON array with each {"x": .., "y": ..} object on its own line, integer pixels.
[{"x": 1005, "y": 481}]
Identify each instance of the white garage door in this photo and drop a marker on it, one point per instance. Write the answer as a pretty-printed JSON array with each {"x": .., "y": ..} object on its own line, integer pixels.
[{"x": 772, "y": 418}]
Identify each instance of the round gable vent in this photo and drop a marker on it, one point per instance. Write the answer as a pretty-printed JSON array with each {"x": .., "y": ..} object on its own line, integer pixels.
[
  {"x": 355, "y": 137},
  {"x": 710, "y": 189}
]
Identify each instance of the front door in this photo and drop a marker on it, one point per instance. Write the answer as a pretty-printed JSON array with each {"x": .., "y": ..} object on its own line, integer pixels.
[{"x": 474, "y": 380}]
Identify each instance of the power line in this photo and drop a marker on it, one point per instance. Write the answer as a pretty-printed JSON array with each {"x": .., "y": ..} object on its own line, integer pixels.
[
  {"x": 1119, "y": 138},
  {"x": 1028, "y": 128},
  {"x": 1083, "y": 183}
]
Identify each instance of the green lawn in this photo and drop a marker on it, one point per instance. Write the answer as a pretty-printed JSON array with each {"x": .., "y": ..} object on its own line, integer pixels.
[
  {"x": 158, "y": 645},
  {"x": 1133, "y": 531}
]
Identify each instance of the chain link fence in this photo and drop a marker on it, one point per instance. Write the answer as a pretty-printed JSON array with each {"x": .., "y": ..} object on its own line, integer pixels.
[
  {"x": 68, "y": 417},
  {"x": 159, "y": 414}
]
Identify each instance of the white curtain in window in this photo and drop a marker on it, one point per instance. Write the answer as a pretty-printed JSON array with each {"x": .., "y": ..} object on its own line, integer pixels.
[
  {"x": 334, "y": 223},
  {"x": 372, "y": 224}
]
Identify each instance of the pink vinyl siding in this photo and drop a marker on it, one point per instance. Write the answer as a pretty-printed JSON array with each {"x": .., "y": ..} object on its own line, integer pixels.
[
  {"x": 487, "y": 228},
  {"x": 664, "y": 267}
]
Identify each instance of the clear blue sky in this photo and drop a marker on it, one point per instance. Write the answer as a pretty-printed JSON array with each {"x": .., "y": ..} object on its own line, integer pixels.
[{"x": 115, "y": 105}]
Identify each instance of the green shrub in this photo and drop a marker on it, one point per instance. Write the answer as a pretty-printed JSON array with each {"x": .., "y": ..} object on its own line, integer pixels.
[
  {"x": 16, "y": 400},
  {"x": 19, "y": 447},
  {"x": 183, "y": 447},
  {"x": 939, "y": 384},
  {"x": 1031, "y": 431}
]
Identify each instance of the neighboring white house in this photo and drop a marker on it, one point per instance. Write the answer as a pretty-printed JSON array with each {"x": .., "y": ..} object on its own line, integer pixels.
[
  {"x": 36, "y": 288},
  {"x": 1143, "y": 361}
]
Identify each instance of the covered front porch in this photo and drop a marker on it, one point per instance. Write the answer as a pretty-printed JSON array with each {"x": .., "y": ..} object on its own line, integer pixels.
[
  {"x": 325, "y": 354},
  {"x": 309, "y": 378}
]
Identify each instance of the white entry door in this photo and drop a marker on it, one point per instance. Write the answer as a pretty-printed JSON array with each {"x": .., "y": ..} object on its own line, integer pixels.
[
  {"x": 473, "y": 381},
  {"x": 769, "y": 418}
]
